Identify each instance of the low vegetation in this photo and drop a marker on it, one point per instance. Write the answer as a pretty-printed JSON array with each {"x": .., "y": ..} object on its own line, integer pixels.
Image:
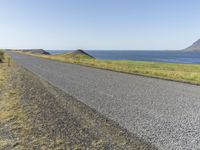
[
  {"x": 1, "y": 56},
  {"x": 13, "y": 120},
  {"x": 189, "y": 73},
  {"x": 15, "y": 126}
]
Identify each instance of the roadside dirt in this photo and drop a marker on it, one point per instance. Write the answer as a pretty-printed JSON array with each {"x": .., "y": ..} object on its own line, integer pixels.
[{"x": 42, "y": 117}]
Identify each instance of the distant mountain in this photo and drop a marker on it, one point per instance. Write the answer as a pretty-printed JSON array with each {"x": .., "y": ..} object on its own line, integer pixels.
[{"x": 194, "y": 47}]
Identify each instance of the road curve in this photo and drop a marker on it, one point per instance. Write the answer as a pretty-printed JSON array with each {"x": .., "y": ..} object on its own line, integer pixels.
[{"x": 165, "y": 113}]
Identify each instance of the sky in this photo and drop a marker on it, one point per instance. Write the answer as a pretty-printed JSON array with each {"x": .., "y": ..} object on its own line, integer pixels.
[{"x": 99, "y": 24}]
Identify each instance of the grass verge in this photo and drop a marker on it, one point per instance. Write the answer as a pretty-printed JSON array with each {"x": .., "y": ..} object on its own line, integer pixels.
[
  {"x": 16, "y": 129},
  {"x": 13, "y": 120},
  {"x": 188, "y": 73}
]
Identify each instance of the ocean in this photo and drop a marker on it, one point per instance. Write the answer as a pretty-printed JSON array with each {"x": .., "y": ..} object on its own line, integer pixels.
[{"x": 149, "y": 55}]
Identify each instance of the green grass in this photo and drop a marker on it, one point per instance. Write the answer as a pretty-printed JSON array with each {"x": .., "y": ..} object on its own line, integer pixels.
[
  {"x": 189, "y": 73},
  {"x": 73, "y": 56}
]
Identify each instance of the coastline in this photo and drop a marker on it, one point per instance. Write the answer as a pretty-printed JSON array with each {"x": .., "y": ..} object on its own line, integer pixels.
[{"x": 184, "y": 73}]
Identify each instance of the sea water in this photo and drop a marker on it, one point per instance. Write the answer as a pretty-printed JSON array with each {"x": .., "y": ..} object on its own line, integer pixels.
[{"x": 148, "y": 55}]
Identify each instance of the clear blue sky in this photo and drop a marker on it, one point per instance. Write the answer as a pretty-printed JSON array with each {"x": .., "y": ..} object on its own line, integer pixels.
[{"x": 99, "y": 24}]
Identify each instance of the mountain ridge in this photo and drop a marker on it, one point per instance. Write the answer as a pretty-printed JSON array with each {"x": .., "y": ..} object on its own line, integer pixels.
[{"x": 194, "y": 47}]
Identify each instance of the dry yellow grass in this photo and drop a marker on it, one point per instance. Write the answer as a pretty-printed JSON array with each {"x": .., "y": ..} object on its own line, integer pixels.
[
  {"x": 4, "y": 114},
  {"x": 14, "y": 120},
  {"x": 12, "y": 117}
]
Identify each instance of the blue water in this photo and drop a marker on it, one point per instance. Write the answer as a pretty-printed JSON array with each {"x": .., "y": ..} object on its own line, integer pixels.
[{"x": 155, "y": 56}]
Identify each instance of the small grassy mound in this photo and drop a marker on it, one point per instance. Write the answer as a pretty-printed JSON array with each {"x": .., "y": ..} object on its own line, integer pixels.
[
  {"x": 1, "y": 56},
  {"x": 35, "y": 51},
  {"x": 78, "y": 54}
]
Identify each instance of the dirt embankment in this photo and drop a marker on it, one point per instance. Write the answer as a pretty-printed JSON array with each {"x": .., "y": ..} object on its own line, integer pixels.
[{"x": 44, "y": 117}]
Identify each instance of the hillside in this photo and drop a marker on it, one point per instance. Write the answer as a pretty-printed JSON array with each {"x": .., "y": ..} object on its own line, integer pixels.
[{"x": 194, "y": 47}]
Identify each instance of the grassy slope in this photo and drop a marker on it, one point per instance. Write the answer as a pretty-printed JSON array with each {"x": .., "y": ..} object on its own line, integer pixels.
[{"x": 189, "y": 73}]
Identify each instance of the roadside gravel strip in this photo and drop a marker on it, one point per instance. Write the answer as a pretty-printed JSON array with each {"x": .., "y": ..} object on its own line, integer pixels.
[{"x": 164, "y": 113}]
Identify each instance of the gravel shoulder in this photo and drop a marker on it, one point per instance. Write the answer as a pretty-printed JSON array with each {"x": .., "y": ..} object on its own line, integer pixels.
[{"x": 44, "y": 117}]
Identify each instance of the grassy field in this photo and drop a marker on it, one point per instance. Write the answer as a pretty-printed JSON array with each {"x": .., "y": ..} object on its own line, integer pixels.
[{"x": 189, "y": 73}]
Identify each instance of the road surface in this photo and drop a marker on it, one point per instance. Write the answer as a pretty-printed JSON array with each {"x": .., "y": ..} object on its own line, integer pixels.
[{"x": 165, "y": 113}]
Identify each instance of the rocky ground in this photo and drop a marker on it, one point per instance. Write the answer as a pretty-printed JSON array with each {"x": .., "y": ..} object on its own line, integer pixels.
[{"x": 35, "y": 115}]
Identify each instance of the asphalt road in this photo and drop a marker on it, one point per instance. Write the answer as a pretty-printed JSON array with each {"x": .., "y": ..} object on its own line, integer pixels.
[{"x": 165, "y": 113}]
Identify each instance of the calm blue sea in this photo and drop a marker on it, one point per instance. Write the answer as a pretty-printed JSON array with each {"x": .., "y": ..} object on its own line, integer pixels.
[{"x": 155, "y": 56}]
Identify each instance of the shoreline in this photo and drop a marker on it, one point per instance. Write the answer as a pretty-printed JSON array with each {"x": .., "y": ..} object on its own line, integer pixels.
[
  {"x": 182, "y": 76},
  {"x": 101, "y": 55}
]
